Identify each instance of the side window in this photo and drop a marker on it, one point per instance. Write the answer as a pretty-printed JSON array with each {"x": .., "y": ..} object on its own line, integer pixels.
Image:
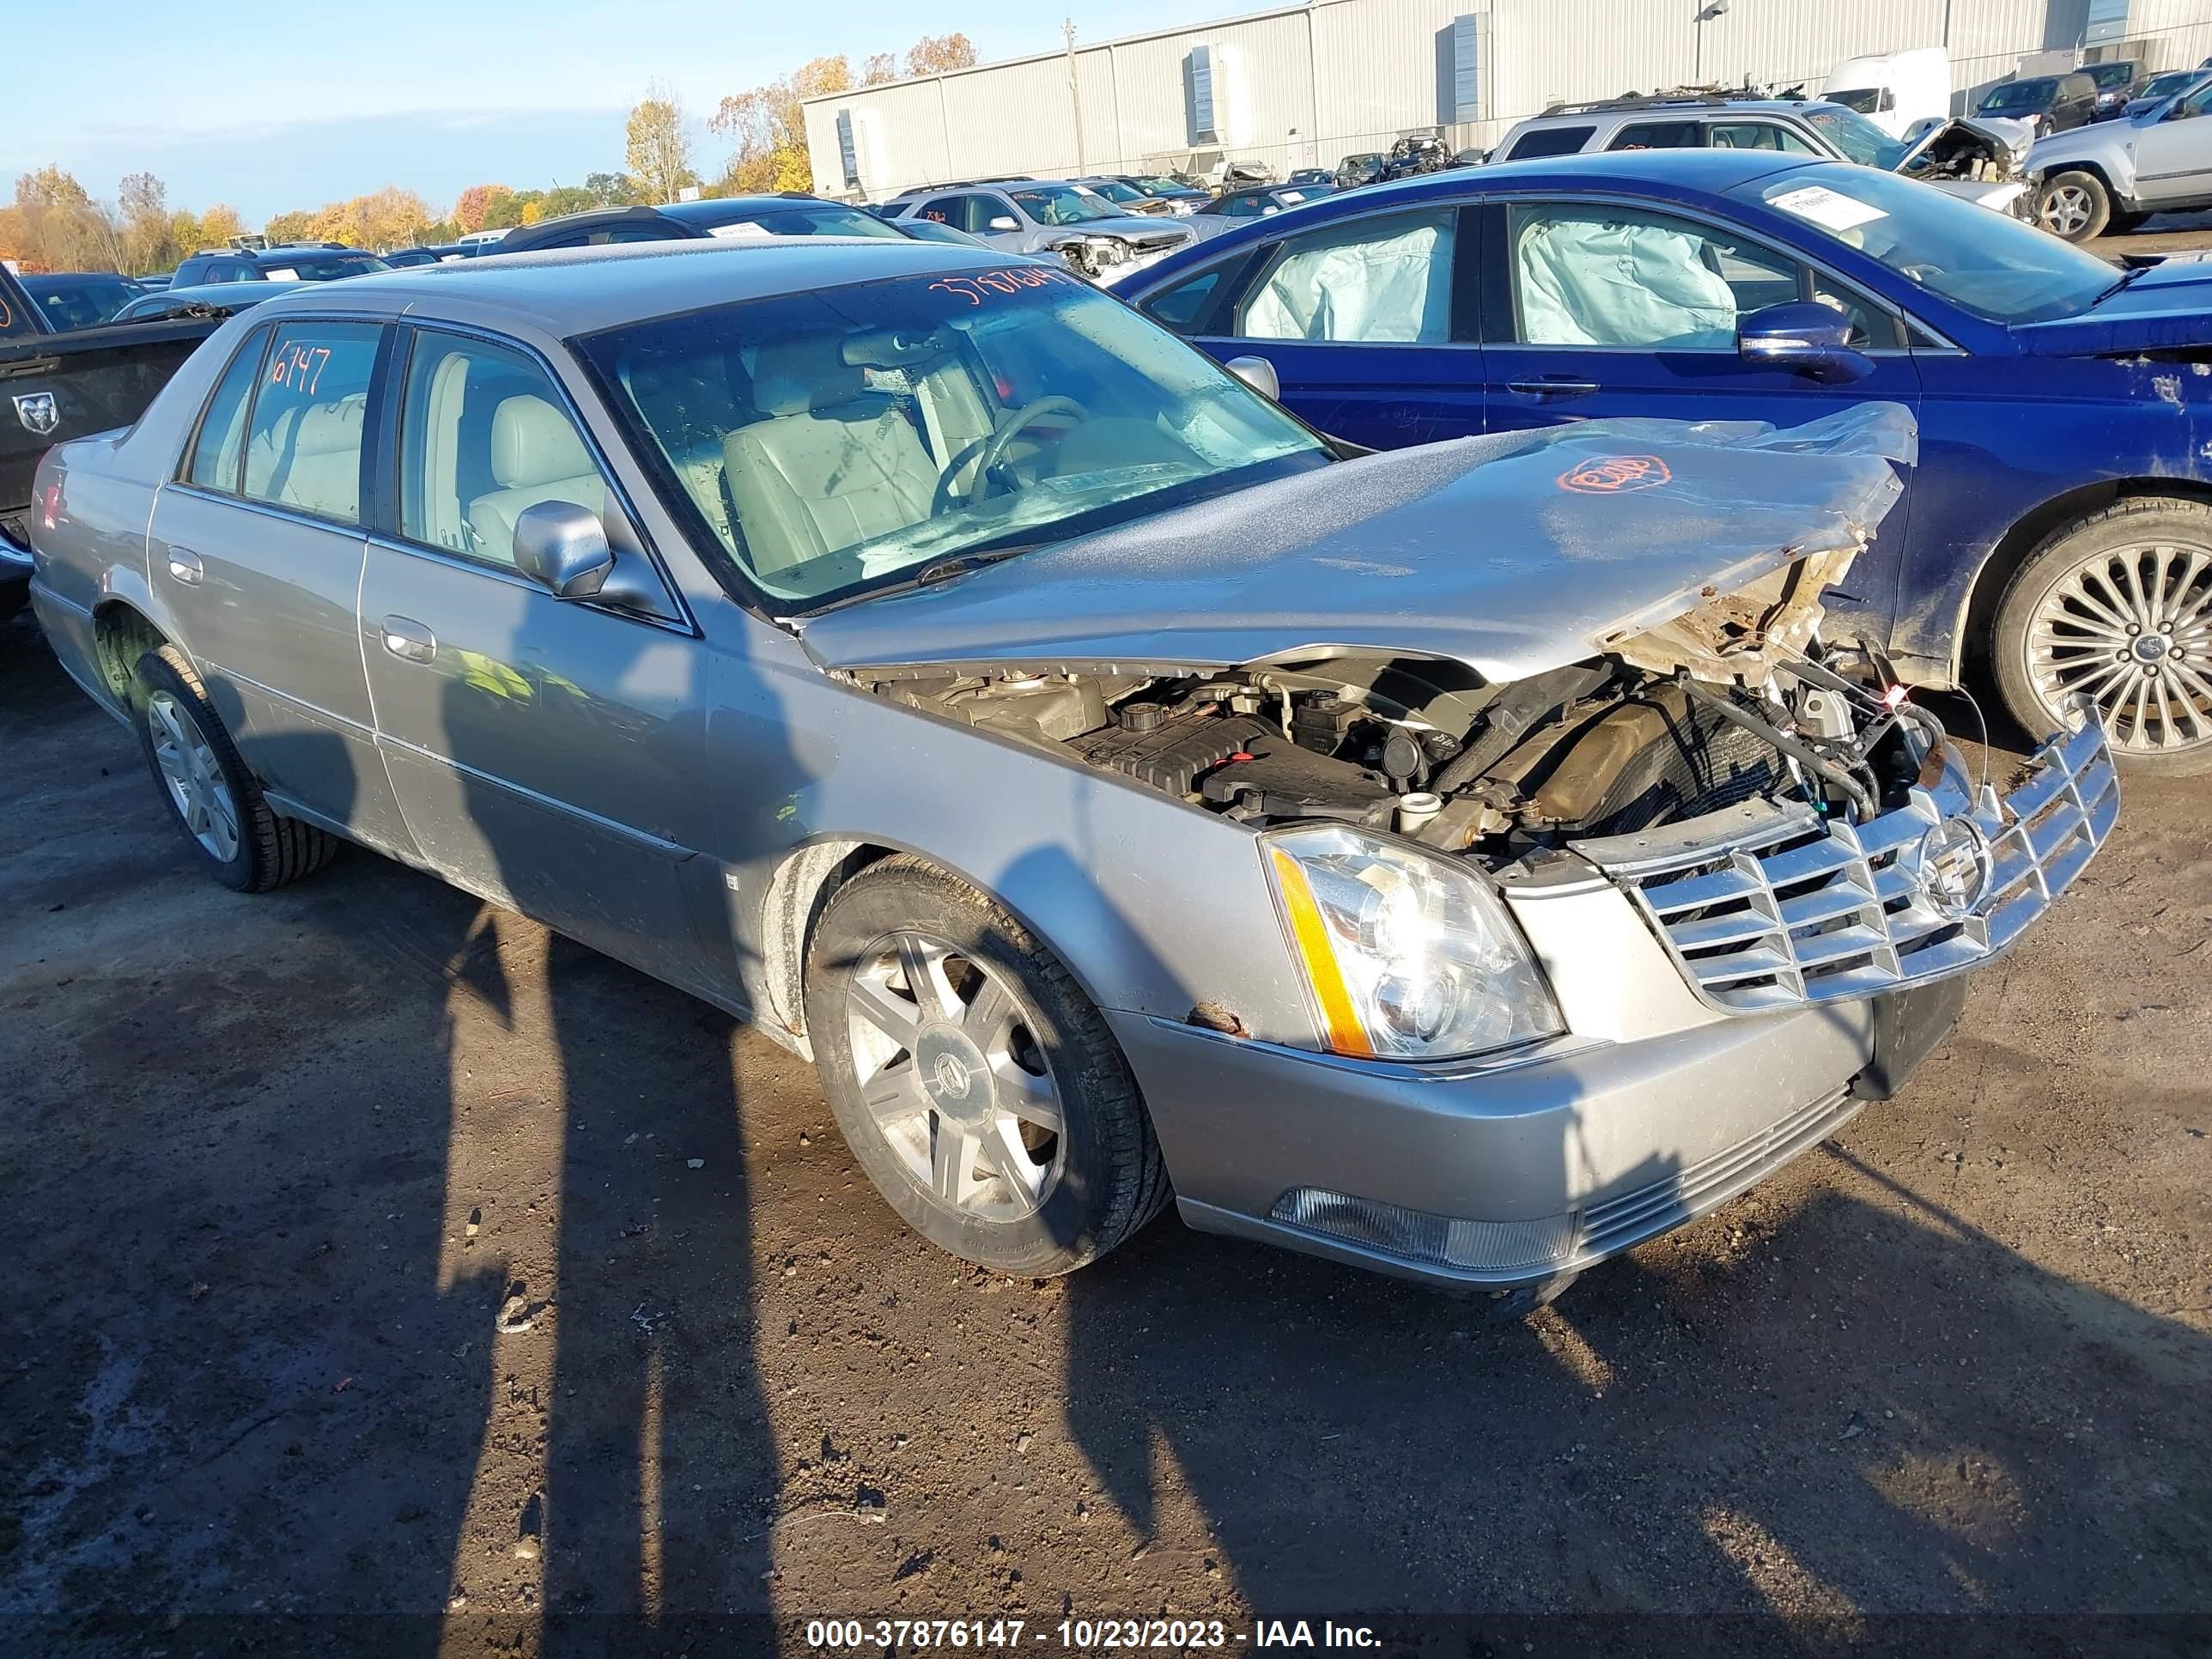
[
  {"x": 484, "y": 435},
  {"x": 1180, "y": 307},
  {"x": 1656, "y": 135},
  {"x": 946, "y": 211},
  {"x": 982, "y": 209},
  {"x": 221, "y": 437},
  {"x": 303, "y": 440},
  {"x": 1602, "y": 276},
  {"x": 1755, "y": 135},
  {"x": 1371, "y": 280},
  {"x": 1550, "y": 141}
]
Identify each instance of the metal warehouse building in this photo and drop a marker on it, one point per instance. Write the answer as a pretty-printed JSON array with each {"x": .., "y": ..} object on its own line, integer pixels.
[{"x": 1304, "y": 85}]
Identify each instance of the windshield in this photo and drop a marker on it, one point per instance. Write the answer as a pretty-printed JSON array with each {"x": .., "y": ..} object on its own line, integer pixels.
[
  {"x": 1856, "y": 138},
  {"x": 2108, "y": 75},
  {"x": 833, "y": 440},
  {"x": 814, "y": 218},
  {"x": 1163, "y": 186},
  {"x": 2022, "y": 95},
  {"x": 1994, "y": 266},
  {"x": 2165, "y": 86},
  {"x": 1063, "y": 204},
  {"x": 1114, "y": 191},
  {"x": 1862, "y": 99}
]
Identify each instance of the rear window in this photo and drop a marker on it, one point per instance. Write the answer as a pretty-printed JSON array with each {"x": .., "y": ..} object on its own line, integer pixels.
[
  {"x": 809, "y": 219},
  {"x": 1550, "y": 141}
]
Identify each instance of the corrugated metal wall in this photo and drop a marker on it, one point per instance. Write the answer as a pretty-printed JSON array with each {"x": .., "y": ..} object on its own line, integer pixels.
[{"x": 1301, "y": 86}]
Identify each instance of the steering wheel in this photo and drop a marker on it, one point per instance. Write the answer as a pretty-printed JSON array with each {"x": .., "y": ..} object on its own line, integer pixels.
[{"x": 993, "y": 448}]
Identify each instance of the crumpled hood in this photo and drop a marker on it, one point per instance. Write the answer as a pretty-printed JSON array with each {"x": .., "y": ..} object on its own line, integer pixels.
[
  {"x": 1512, "y": 553},
  {"x": 2007, "y": 141},
  {"x": 2166, "y": 306}
]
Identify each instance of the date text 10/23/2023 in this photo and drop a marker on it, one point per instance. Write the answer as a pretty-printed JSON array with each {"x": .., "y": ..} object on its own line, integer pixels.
[{"x": 1081, "y": 1635}]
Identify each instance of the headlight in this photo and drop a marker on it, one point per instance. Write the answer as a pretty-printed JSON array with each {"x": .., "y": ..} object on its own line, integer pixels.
[{"x": 1405, "y": 955}]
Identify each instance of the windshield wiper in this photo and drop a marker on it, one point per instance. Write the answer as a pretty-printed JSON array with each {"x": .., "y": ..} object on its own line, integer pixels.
[
  {"x": 930, "y": 574},
  {"x": 2125, "y": 278}
]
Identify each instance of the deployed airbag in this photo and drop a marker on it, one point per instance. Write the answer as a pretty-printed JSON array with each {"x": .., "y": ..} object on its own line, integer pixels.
[{"x": 1607, "y": 282}]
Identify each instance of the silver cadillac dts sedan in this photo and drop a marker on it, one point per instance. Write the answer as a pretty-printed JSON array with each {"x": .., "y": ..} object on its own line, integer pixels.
[{"x": 1465, "y": 862}]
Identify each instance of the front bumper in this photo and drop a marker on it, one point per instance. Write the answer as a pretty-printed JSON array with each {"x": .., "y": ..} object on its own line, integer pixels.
[
  {"x": 1490, "y": 1176},
  {"x": 1736, "y": 989}
]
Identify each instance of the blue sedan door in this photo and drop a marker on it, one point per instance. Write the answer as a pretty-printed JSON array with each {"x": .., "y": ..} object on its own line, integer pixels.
[
  {"x": 1595, "y": 309},
  {"x": 1369, "y": 323}
]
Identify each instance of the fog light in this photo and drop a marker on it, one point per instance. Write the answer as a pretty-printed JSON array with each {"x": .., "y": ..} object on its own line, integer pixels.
[{"x": 1435, "y": 1241}]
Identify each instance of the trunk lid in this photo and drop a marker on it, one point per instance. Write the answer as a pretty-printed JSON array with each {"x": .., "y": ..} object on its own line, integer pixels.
[{"x": 1512, "y": 554}]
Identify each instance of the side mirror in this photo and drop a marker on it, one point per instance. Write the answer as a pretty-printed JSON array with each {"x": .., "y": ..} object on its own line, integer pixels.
[
  {"x": 1805, "y": 336},
  {"x": 563, "y": 546},
  {"x": 1258, "y": 374},
  {"x": 1004, "y": 221}
]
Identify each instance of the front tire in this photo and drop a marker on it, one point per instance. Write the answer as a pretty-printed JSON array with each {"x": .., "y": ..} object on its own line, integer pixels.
[
  {"x": 232, "y": 831},
  {"x": 2117, "y": 606},
  {"x": 975, "y": 1082},
  {"x": 2074, "y": 205}
]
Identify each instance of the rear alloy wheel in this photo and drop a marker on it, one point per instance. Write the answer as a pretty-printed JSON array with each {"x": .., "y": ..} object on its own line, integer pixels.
[
  {"x": 2118, "y": 608},
  {"x": 2074, "y": 205},
  {"x": 238, "y": 838},
  {"x": 975, "y": 1082}
]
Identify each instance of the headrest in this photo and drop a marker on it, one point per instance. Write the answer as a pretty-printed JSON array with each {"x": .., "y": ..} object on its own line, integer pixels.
[
  {"x": 331, "y": 429},
  {"x": 533, "y": 443},
  {"x": 792, "y": 376}
]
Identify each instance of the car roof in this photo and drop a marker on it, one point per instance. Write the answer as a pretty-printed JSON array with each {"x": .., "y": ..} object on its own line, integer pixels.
[
  {"x": 568, "y": 291},
  {"x": 720, "y": 209},
  {"x": 28, "y": 279},
  {"x": 1679, "y": 108}
]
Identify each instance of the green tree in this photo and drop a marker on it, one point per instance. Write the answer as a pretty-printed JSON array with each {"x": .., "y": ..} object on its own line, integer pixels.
[
  {"x": 658, "y": 152},
  {"x": 569, "y": 198},
  {"x": 297, "y": 226},
  {"x": 612, "y": 189},
  {"x": 511, "y": 207}
]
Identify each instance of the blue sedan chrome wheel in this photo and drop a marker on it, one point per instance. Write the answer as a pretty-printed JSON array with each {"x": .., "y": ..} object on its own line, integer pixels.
[{"x": 2131, "y": 629}]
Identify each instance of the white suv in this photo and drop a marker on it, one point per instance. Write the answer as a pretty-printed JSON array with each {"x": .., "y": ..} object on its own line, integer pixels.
[{"x": 2113, "y": 175}]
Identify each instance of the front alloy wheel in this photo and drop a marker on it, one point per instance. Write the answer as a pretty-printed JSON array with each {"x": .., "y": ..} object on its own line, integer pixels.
[{"x": 2119, "y": 609}]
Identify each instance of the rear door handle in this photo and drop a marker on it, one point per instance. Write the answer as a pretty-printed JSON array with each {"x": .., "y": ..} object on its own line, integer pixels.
[
  {"x": 1548, "y": 388},
  {"x": 184, "y": 565},
  {"x": 406, "y": 638}
]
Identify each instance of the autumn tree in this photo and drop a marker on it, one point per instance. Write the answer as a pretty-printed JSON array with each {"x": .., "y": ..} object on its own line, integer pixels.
[
  {"x": 611, "y": 189},
  {"x": 880, "y": 66},
  {"x": 62, "y": 228},
  {"x": 298, "y": 226},
  {"x": 767, "y": 126},
  {"x": 147, "y": 244},
  {"x": 469, "y": 210},
  {"x": 940, "y": 54},
  {"x": 219, "y": 224},
  {"x": 659, "y": 153}
]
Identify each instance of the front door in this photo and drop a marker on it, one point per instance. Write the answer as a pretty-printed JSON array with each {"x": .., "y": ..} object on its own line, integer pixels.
[
  {"x": 1595, "y": 310},
  {"x": 546, "y": 751},
  {"x": 2173, "y": 157},
  {"x": 1369, "y": 325},
  {"x": 256, "y": 548}
]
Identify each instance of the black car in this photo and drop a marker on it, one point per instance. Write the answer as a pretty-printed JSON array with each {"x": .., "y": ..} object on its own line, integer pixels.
[
  {"x": 1364, "y": 168},
  {"x": 791, "y": 213},
  {"x": 317, "y": 262},
  {"x": 2116, "y": 82},
  {"x": 400, "y": 258},
  {"x": 597, "y": 228},
  {"x": 1259, "y": 201},
  {"x": 2048, "y": 103},
  {"x": 80, "y": 299}
]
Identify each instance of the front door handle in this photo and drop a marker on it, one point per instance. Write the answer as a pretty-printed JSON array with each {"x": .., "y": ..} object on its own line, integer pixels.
[
  {"x": 405, "y": 638},
  {"x": 184, "y": 565},
  {"x": 1549, "y": 387}
]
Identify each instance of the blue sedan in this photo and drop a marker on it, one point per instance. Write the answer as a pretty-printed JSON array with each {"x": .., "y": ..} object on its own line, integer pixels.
[{"x": 2058, "y": 525}]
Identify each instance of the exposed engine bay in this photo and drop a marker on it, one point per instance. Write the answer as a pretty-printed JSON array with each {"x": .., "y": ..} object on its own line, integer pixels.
[
  {"x": 1966, "y": 149},
  {"x": 1423, "y": 747}
]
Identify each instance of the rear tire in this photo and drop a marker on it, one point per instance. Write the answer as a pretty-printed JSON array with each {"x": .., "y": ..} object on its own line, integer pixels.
[
  {"x": 2117, "y": 605},
  {"x": 2074, "y": 205},
  {"x": 232, "y": 832},
  {"x": 975, "y": 1082}
]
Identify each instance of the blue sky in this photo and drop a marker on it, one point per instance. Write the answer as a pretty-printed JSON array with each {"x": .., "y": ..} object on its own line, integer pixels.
[{"x": 293, "y": 103}]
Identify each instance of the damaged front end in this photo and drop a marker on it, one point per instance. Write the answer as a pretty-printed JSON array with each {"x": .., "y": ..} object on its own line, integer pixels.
[
  {"x": 1985, "y": 161},
  {"x": 1791, "y": 825}
]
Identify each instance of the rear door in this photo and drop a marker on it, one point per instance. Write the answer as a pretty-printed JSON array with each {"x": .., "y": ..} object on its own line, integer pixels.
[
  {"x": 256, "y": 548},
  {"x": 1368, "y": 322}
]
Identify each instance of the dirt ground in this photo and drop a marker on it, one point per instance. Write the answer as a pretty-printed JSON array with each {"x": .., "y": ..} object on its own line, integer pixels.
[{"x": 380, "y": 1273}]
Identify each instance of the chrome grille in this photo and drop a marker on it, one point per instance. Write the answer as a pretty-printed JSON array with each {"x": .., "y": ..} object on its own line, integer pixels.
[{"x": 1772, "y": 907}]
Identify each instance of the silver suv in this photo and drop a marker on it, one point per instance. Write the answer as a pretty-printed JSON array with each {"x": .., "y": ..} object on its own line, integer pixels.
[
  {"x": 1047, "y": 215},
  {"x": 1979, "y": 161},
  {"x": 2113, "y": 175}
]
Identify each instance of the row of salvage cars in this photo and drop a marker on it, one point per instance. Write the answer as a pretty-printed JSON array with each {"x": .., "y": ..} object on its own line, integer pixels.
[{"x": 1396, "y": 817}]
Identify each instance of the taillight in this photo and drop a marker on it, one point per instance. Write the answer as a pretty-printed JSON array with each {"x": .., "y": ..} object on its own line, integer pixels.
[{"x": 50, "y": 503}]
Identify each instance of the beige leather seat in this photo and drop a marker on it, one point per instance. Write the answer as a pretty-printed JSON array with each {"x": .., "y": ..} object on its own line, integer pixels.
[
  {"x": 536, "y": 456},
  {"x": 309, "y": 457},
  {"x": 833, "y": 465}
]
